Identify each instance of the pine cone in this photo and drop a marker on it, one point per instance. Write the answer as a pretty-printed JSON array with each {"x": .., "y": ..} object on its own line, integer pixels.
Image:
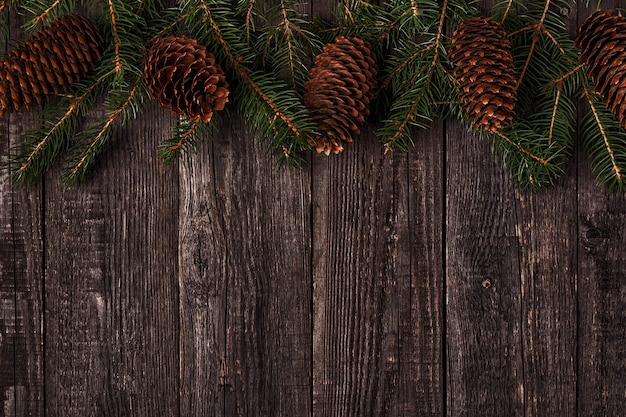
[
  {"x": 339, "y": 92},
  {"x": 483, "y": 67},
  {"x": 184, "y": 78},
  {"x": 602, "y": 42},
  {"x": 55, "y": 57}
]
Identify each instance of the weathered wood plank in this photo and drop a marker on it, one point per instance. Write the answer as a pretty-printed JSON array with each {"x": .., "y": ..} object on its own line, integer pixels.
[
  {"x": 484, "y": 298},
  {"x": 601, "y": 289},
  {"x": 356, "y": 301},
  {"x": 21, "y": 286},
  {"x": 421, "y": 384},
  {"x": 21, "y": 281},
  {"x": 546, "y": 226},
  {"x": 266, "y": 215},
  {"x": 601, "y": 300},
  {"x": 111, "y": 325},
  {"x": 203, "y": 277},
  {"x": 547, "y": 234}
]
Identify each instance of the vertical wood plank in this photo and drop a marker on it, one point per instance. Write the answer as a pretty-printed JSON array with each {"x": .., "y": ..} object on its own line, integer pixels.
[
  {"x": 21, "y": 281},
  {"x": 547, "y": 234},
  {"x": 21, "y": 289},
  {"x": 266, "y": 214},
  {"x": 485, "y": 358},
  {"x": 378, "y": 277},
  {"x": 601, "y": 288},
  {"x": 112, "y": 345},
  {"x": 203, "y": 277},
  {"x": 421, "y": 383},
  {"x": 356, "y": 302}
]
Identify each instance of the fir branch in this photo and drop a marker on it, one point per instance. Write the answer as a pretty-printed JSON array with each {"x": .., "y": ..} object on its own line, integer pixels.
[
  {"x": 45, "y": 11},
  {"x": 416, "y": 77},
  {"x": 539, "y": 29},
  {"x": 267, "y": 103},
  {"x": 98, "y": 135},
  {"x": 41, "y": 147},
  {"x": 605, "y": 142},
  {"x": 506, "y": 11},
  {"x": 520, "y": 148},
  {"x": 287, "y": 44}
]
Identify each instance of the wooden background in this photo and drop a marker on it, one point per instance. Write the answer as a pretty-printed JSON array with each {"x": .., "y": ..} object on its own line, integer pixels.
[{"x": 418, "y": 284}]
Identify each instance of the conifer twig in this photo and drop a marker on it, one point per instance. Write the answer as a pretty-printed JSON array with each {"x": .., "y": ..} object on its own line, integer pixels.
[
  {"x": 522, "y": 149},
  {"x": 45, "y": 13},
  {"x": 117, "y": 60},
  {"x": 243, "y": 72},
  {"x": 605, "y": 137},
  {"x": 538, "y": 30}
]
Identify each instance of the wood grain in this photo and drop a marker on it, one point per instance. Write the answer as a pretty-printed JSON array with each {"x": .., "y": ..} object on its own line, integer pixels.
[
  {"x": 601, "y": 289},
  {"x": 21, "y": 279},
  {"x": 485, "y": 374},
  {"x": 203, "y": 260},
  {"x": 111, "y": 321}
]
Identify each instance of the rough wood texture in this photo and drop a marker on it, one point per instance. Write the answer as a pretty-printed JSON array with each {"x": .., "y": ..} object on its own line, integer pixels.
[
  {"x": 21, "y": 284},
  {"x": 419, "y": 284}
]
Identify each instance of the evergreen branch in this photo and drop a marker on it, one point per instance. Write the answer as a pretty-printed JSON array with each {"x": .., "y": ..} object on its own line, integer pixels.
[
  {"x": 20, "y": 174},
  {"x": 559, "y": 80},
  {"x": 249, "y": 21},
  {"x": 185, "y": 136},
  {"x": 406, "y": 62},
  {"x": 289, "y": 42},
  {"x": 287, "y": 45},
  {"x": 101, "y": 134},
  {"x": 45, "y": 13},
  {"x": 605, "y": 137},
  {"x": 417, "y": 79},
  {"x": 402, "y": 130},
  {"x": 269, "y": 105},
  {"x": 47, "y": 143},
  {"x": 538, "y": 30}
]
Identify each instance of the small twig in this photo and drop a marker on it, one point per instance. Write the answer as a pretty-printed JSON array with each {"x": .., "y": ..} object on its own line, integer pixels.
[
  {"x": 43, "y": 15},
  {"x": 403, "y": 125},
  {"x": 522, "y": 149},
  {"x": 111, "y": 119},
  {"x": 117, "y": 60},
  {"x": 562, "y": 78},
  {"x": 185, "y": 135},
  {"x": 506, "y": 12},
  {"x": 553, "y": 119},
  {"x": 539, "y": 28}
]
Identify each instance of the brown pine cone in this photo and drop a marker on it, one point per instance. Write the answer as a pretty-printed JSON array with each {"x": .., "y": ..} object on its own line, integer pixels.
[
  {"x": 342, "y": 84},
  {"x": 602, "y": 42},
  {"x": 55, "y": 57},
  {"x": 184, "y": 78},
  {"x": 482, "y": 60}
]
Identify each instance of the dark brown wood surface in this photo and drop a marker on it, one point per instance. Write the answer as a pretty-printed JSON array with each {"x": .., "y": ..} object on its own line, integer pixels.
[{"x": 364, "y": 284}]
